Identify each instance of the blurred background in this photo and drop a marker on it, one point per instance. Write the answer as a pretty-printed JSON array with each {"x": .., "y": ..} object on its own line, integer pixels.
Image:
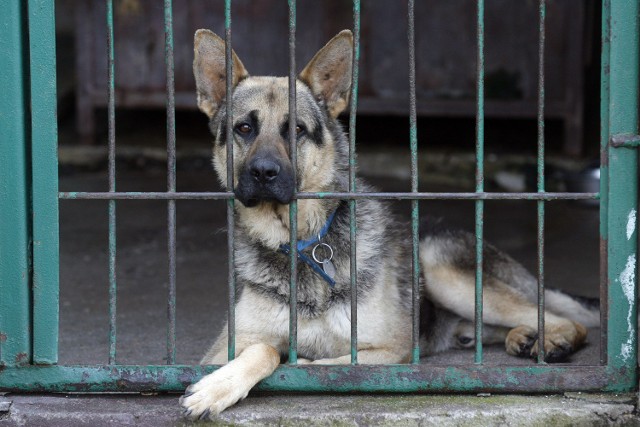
[{"x": 446, "y": 62}]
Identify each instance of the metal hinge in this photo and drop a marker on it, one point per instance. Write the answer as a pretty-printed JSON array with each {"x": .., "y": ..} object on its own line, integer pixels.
[{"x": 625, "y": 140}]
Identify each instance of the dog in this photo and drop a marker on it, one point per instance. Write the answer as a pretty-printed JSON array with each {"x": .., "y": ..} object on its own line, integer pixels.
[{"x": 264, "y": 184}]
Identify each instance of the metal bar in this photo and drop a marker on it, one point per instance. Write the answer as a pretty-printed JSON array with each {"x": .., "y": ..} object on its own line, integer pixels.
[
  {"x": 171, "y": 182},
  {"x": 415, "y": 213},
  {"x": 112, "y": 185},
  {"x": 15, "y": 239},
  {"x": 79, "y": 195},
  {"x": 625, "y": 141},
  {"x": 44, "y": 178},
  {"x": 293, "y": 206},
  {"x": 352, "y": 182},
  {"x": 231, "y": 345},
  {"x": 479, "y": 181},
  {"x": 623, "y": 188},
  {"x": 324, "y": 378},
  {"x": 604, "y": 176},
  {"x": 541, "y": 42}
]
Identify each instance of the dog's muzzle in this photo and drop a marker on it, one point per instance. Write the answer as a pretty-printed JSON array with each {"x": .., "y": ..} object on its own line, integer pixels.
[{"x": 264, "y": 179}]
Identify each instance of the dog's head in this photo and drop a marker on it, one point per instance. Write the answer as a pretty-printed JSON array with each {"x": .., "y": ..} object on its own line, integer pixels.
[{"x": 262, "y": 165}]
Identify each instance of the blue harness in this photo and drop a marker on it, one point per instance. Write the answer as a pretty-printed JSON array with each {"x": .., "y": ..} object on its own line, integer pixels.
[{"x": 304, "y": 244}]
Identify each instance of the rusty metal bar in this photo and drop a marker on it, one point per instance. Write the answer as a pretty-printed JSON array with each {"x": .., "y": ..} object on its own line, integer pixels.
[
  {"x": 540, "y": 203},
  {"x": 622, "y": 169},
  {"x": 352, "y": 182},
  {"x": 293, "y": 206},
  {"x": 319, "y": 378},
  {"x": 171, "y": 182},
  {"x": 231, "y": 345},
  {"x": 415, "y": 213},
  {"x": 604, "y": 177},
  {"x": 479, "y": 180},
  {"x": 79, "y": 195},
  {"x": 112, "y": 185}
]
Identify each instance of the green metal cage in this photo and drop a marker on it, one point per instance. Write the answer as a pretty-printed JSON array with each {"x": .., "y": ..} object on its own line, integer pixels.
[{"x": 29, "y": 247}]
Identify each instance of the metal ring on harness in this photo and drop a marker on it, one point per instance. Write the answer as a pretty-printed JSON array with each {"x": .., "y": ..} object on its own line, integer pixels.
[{"x": 313, "y": 253}]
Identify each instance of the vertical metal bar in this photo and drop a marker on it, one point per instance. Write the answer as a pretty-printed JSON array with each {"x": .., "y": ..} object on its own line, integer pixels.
[
  {"x": 604, "y": 175},
  {"x": 44, "y": 154},
  {"x": 15, "y": 314},
  {"x": 293, "y": 207},
  {"x": 415, "y": 214},
  {"x": 352, "y": 182},
  {"x": 541, "y": 42},
  {"x": 231, "y": 345},
  {"x": 171, "y": 182},
  {"x": 479, "y": 180},
  {"x": 623, "y": 192},
  {"x": 112, "y": 184}
]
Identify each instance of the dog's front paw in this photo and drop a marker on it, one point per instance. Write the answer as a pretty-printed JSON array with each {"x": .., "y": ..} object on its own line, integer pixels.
[{"x": 212, "y": 394}]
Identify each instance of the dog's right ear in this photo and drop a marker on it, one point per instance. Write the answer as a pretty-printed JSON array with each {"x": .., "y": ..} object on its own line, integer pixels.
[
  {"x": 210, "y": 72},
  {"x": 328, "y": 74}
]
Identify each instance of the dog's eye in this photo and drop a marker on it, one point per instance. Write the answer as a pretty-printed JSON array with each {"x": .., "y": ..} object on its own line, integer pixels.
[
  {"x": 464, "y": 340},
  {"x": 244, "y": 128},
  {"x": 300, "y": 130}
]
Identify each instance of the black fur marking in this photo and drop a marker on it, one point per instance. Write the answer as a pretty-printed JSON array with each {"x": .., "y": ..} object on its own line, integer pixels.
[
  {"x": 525, "y": 349},
  {"x": 559, "y": 354},
  {"x": 284, "y": 129},
  {"x": 223, "y": 133},
  {"x": 205, "y": 415},
  {"x": 317, "y": 133},
  {"x": 252, "y": 120}
]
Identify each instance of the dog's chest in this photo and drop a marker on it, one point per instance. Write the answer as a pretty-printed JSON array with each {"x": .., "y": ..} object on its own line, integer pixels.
[{"x": 321, "y": 336}]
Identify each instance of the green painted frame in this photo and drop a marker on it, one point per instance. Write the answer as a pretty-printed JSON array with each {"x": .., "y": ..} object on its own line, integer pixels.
[{"x": 29, "y": 242}]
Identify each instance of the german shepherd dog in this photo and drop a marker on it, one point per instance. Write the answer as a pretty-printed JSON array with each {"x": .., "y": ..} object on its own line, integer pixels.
[{"x": 264, "y": 184}]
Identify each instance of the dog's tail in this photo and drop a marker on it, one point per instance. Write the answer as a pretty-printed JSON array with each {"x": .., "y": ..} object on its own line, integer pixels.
[{"x": 583, "y": 310}]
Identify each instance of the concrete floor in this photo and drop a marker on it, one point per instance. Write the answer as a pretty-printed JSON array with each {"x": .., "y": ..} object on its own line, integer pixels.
[{"x": 571, "y": 264}]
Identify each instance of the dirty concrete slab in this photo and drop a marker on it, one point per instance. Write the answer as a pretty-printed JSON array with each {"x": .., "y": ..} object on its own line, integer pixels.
[{"x": 322, "y": 410}]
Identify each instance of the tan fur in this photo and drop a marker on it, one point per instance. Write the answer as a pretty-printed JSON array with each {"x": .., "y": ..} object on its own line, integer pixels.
[
  {"x": 324, "y": 314},
  {"x": 502, "y": 306},
  {"x": 232, "y": 382},
  {"x": 209, "y": 70},
  {"x": 329, "y": 72}
]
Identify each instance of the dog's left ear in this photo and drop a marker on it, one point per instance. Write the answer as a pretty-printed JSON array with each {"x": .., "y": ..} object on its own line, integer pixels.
[{"x": 328, "y": 74}]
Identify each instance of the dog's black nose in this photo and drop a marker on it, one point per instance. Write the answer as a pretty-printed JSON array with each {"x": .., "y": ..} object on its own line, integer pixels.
[{"x": 263, "y": 170}]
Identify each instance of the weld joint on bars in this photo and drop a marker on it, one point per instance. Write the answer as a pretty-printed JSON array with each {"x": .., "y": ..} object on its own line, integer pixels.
[{"x": 625, "y": 141}]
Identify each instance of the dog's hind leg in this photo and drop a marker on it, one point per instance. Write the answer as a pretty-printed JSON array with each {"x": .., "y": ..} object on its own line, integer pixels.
[
  {"x": 231, "y": 383},
  {"x": 454, "y": 290}
]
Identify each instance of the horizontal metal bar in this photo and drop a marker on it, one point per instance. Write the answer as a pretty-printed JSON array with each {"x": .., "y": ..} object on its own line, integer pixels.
[
  {"x": 342, "y": 196},
  {"x": 319, "y": 378},
  {"x": 625, "y": 141}
]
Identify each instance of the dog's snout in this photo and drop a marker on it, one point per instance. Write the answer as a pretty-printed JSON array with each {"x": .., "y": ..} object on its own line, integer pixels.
[{"x": 263, "y": 170}]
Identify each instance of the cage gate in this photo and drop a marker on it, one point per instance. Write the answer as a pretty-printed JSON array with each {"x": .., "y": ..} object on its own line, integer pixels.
[{"x": 29, "y": 224}]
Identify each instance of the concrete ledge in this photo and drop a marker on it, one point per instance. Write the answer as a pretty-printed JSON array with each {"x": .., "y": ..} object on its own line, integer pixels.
[{"x": 577, "y": 409}]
